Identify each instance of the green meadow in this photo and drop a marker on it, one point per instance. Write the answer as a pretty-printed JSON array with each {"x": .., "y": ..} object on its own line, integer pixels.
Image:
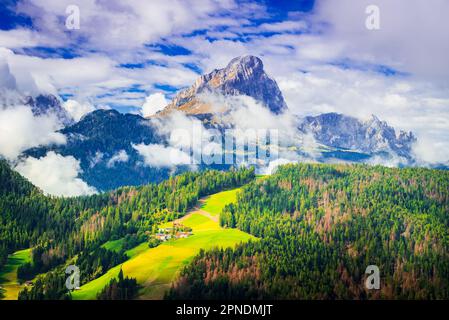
[
  {"x": 9, "y": 285},
  {"x": 216, "y": 202},
  {"x": 114, "y": 245},
  {"x": 156, "y": 268}
]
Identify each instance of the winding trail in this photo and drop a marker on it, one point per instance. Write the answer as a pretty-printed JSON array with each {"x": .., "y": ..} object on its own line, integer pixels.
[
  {"x": 155, "y": 269},
  {"x": 197, "y": 210}
]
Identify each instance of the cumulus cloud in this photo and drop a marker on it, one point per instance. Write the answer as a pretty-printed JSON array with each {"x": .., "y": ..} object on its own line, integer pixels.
[
  {"x": 160, "y": 156},
  {"x": 112, "y": 25},
  {"x": 183, "y": 132},
  {"x": 22, "y": 38},
  {"x": 76, "y": 109},
  {"x": 391, "y": 161},
  {"x": 429, "y": 152},
  {"x": 21, "y": 130},
  {"x": 55, "y": 175},
  {"x": 273, "y": 165},
  {"x": 247, "y": 113},
  {"x": 8, "y": 85},
  {"x": 259, "y": 135},
  {"x": 154, "y": 103},
  {"x": 7, "y": 80},
  {"x": 403, "y": 102},
  {"x": 324, "y": 61},
  {"x": 120, "y": 156},
  {"x": 92, "y": 75},
  {"x": 413, "y": 35}
]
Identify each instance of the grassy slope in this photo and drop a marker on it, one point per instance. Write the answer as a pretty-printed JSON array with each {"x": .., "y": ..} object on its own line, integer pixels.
[
  {"x": 8, "y": 275},
  {"x": 216, "y": 202},
  {"x": 114, "y": 245},
  {"x": 156, "y": 268}
]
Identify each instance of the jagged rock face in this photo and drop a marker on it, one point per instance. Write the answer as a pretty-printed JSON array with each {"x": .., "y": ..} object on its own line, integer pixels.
[
  {"x": 242, "y": 76},
  {"x": 340, "y": 131},
  {"x": 45, "y": 104}
]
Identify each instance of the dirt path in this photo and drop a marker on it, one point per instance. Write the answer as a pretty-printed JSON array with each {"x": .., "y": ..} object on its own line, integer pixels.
[{"x": 196, "y": 209}]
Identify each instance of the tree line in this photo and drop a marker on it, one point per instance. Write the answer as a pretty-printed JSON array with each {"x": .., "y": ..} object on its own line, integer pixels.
[
  {"x": 320, "y": 226},
  {"x": 72, "y": 230}
]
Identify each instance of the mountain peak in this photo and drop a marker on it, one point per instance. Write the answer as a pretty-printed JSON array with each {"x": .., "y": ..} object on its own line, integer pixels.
[
  {"x": 246, "y": 60},
  {"x": 243, "y": 75},
  {"x": 245, "y": 63},
  {"x": 45, "y": 104}
]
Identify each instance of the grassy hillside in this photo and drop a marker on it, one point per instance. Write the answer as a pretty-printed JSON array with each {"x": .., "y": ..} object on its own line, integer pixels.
[
  {"x": 156, "y": 268},
  {"x": 8, "y": 274},
  {"x": 114, "y": 245},
  {"x": 216, "y": 202},
  {"x": 64, "y": 230}
]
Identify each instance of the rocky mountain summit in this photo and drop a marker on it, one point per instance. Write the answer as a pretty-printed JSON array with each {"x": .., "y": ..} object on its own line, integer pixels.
[
  {"x": 243, "y": 75},
  {"x": 100, "y": 136}
]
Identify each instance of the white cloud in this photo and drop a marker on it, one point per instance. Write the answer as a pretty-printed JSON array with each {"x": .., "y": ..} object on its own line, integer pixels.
[
  {"x": 273, "y": 165},
  {"x": 154, "y": 103},
  {"x": 181, "y": 131},
  {"x": 21, "y": 130},
  {"x": 77, "y": 110},
  {"x": 55, "y": 175},
  {"x": 403, "y": 102},
  {"x": 284, "y": 26},
  {"x": 431, "y": 152},
  {"x": 96, "y": 159},
  {"x": 113, "y": 25},
  {"x": 90, "y": 75},
  {"x": 156, "y": 155},
  {"x": 93, "y": 77},
  {"x": 120, "y": 156},
  {"x": 8, "y": 86},
  {"x": 7, "y": 80},
  {"x": 24, "y": 38},
  {"x": 413, "y": 35},
  {"x": 392, "y": 161},
  {"x": 414, "y": 38}
]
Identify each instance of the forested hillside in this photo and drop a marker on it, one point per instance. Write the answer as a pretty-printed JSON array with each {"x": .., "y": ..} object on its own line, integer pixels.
[
  {"x": 62, "y": 230},
  {"x": 321, "y": 226}
]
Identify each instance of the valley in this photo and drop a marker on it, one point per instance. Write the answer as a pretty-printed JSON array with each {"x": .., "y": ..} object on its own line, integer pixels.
[
  {"x": 223, "y": 156},
  {"x": 9, "y": 285},
  {"x": 308, "y": 231},
  {"x": 154, "y": 268}
]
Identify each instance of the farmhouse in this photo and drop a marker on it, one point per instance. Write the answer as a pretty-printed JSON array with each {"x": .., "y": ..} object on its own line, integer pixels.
[
  {"x": 182, "y": 234},
  {"x": 162, "y": 236}
]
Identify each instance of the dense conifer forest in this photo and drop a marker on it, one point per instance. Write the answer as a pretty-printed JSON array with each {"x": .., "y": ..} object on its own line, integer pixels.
[
  {"x": 321, "y": 226},
  {"x": 318, "y": 227},
  {"x": 122, "y": 288},
  {"x": 71, "y": 230}
]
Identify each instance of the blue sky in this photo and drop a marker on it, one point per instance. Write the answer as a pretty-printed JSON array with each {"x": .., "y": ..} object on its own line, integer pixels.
[
  {"x": 68, "y": 45},
  {"x": 129, "y": 53}
]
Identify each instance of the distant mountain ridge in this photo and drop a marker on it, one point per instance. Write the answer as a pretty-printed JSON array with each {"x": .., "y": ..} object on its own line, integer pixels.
[
  {"x": 372, "y": 136},
  {"x": 102, "y": 134}
]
